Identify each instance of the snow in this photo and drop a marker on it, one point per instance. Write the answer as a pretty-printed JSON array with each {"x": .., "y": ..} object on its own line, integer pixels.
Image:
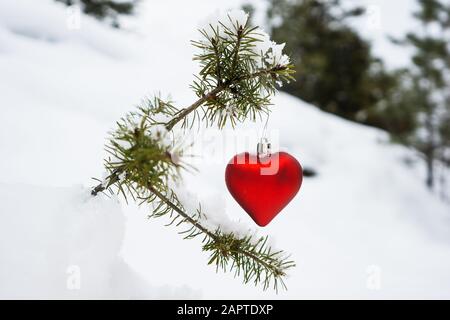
[
  {"x": 61, "y": 243},
  {"x": 160, "y": 133},
  {"x": 270, "y": 51},
  {"x": 365, "y": 219},
  {"x": 265, "y": 43}
]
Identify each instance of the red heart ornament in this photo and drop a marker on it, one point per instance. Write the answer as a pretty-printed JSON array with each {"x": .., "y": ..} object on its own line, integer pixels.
[{"x": 263, "y": 186}]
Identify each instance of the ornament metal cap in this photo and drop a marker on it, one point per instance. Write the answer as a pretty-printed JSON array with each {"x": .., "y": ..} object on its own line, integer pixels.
[{"x": 263, "y": 148}]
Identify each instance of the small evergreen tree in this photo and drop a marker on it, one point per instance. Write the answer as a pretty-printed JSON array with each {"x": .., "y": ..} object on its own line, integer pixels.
[
  {"x": 240, "y": 68},
  {"x": 105, "y": 9}
]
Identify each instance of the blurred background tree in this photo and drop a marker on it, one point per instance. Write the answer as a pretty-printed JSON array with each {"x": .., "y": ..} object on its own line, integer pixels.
[
  {"x": 336, "y": 70},
  {"x": 105, "y": 9},
  {"x": 429, "y": 86}
]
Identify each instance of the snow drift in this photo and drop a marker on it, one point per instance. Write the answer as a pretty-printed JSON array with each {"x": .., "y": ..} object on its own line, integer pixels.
[{"x": 62, "y": 243}]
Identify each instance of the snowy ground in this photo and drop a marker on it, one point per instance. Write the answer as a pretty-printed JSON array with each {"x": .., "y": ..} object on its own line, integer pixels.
[{"x": 364, "y": 227}]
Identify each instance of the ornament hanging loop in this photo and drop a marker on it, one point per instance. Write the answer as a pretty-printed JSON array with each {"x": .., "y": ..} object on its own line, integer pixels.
[{"x": 264, "y": 148}]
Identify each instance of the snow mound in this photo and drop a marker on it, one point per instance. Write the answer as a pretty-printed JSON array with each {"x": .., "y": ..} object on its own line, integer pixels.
[{"x": 62, "y": 243}]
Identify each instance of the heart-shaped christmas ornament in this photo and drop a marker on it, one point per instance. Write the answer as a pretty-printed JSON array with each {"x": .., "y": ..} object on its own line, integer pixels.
[{"x": 263, "y": 185}]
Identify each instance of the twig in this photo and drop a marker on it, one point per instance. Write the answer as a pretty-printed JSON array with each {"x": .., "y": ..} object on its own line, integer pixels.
[
  {"x": 186, "y": 111},
  {"x": 210, "y": 234}
]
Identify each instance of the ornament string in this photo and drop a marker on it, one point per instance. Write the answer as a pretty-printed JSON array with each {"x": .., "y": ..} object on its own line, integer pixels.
[
  {"x": 263, "y": 147},
  {"x": 264, "y": 132}
]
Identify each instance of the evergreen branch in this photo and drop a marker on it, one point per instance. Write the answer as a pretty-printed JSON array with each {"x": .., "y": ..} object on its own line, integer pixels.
[
  {"x": 218, "y": 67},
  {"x": 101, "y": 187},
  {"x": 138, "y": 159},
  {"x": 179, "y": 211},
  {"x": 237, "y": 48},
  {"x": 271, "y": 267},
  {"x": 185, "y": 112},
  {"x": 145, "y": 153},
  {"x": 213, "y": 94}
]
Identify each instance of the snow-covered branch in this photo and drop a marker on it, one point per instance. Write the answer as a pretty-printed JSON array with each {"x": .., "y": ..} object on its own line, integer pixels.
[{"x": 239, "y": 72}]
